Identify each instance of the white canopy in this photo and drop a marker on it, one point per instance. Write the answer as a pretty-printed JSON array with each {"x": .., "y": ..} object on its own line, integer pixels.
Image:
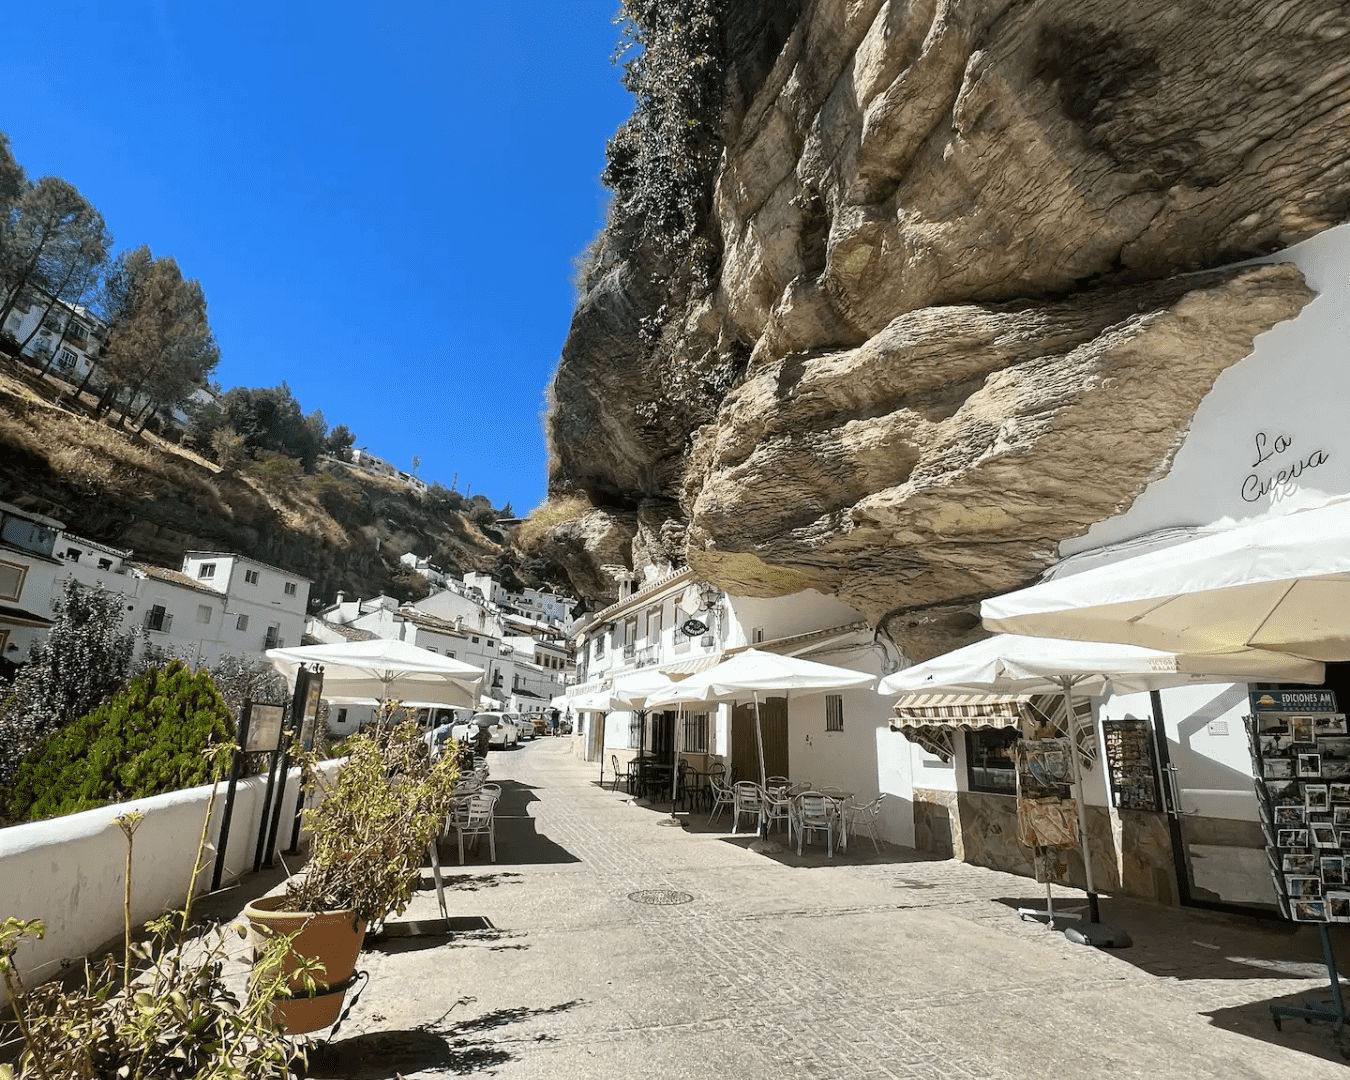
[
  {"x": 755, "y": 671},
  {"x": 1012, "y": 663},
  {"x": 1281, "y": 584},
  {"x": 383, "y": 669}
]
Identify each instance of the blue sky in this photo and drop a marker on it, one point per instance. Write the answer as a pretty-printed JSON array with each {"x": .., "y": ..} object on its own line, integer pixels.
[{"x": 381, "y": 201}]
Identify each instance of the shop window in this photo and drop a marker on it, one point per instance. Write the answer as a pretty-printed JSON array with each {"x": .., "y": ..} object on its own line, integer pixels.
[
  {"x": 834, "y": 712},
  {"x": 989, "y": 761},
  {"x": 696, "y": 733}
]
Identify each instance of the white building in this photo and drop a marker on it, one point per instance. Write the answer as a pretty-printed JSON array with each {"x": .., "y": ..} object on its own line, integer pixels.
[
  {"x": 838, "y": 739},
  {"x": 533, "y": 604},
  {"x": 69, "y": 334},
  {"x": 264, "y": 605}
]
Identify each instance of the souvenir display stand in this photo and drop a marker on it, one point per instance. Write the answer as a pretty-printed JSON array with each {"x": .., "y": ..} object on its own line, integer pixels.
[
  {"x": 1047, "y": 813},
  {"x": 1301, "y": 761}
]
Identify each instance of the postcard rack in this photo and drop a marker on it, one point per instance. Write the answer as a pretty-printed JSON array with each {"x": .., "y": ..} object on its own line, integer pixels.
[{"x": 1301, "y": 765}]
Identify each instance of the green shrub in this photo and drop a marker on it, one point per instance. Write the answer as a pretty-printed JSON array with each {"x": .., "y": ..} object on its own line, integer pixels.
[{"x": 148, "y": 738}]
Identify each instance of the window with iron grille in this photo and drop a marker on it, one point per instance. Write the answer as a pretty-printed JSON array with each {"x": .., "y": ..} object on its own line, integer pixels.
[
  {"x": 158, "y": 619},
  {"x": 696, "y": 733},
  {"x": 66, "y": 360},
  {"x": 834, "y": 712}
]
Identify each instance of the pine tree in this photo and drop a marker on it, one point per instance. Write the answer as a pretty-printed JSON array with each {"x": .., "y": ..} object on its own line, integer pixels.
[{"x": 145, "y": 740}]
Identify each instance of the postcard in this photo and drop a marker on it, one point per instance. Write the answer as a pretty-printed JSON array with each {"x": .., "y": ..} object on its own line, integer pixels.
[
  {"x": 1293, "y": 838},
  {"x": 1272, "y": 723},
  {"x": 1317, "y": 799},
  {"x": 1277, "y": 768},
  {"x": 1342, "y": 815},
  {"x": 1340, "y": 793},
  {"x": 1300, "y": 864},
  {"x": 1335, "y": 768},
  {"x": 1333, "y": 869},
  {"x": 1329, "y": 724},
  {"x": 1334, "y": 747},
  {"x": 1302, "y": 888},
  {"x": 1310, "y": 910},
  {"x": 1274, "y": 745},
  {"x": 1323, "y": 834},
  {"x": 1301, "y": 728},
  {"x": 1292, "y": 815},
  {"x": 1308, "y": 765},
  {"x": 1338, "y": 906}
]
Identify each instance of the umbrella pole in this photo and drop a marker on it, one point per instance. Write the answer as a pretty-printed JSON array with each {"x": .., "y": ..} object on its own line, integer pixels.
[
  {"x": 1084, "y": 845},
  {"x": 675, "y": 761},
  {"x": 763, "y": 774}
]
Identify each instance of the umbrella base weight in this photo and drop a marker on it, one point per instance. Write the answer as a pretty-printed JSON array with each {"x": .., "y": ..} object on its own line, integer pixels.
[{"x": 1098, "y": 935}]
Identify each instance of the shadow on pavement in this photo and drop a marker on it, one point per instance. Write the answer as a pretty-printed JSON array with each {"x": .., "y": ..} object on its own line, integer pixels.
[
  {"x": 518, "y": 842},
  {"x": 455, "y": 1049},
  {"x": 1254, "y": 1021}
]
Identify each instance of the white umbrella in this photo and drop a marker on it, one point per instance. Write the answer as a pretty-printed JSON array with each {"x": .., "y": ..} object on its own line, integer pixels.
[
  {"x": 1281, "y": 584},
  {"x": 753, "y": 671},
  {"x": 383, "y": 669},
  {"x": 1016, "y": 664}
]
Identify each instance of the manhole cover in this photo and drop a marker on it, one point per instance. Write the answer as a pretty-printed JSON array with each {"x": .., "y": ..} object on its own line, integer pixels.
[{"x": 660, "y": 896}]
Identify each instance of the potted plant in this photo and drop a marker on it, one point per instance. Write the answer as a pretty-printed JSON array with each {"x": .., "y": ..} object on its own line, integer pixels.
[
  {"x": 369, "y": 833},
  {"x": 160, "y": 1011}
]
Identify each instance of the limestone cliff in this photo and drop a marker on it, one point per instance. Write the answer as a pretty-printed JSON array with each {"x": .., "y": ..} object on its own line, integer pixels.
[{"x": 965, "y": 301}]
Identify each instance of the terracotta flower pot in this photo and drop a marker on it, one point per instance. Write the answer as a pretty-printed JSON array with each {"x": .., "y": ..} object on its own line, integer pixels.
[{"x": 334, "y": 938}]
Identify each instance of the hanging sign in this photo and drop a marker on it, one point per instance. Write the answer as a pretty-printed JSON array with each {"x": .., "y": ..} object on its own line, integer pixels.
[{"x": 693, "y": 627}]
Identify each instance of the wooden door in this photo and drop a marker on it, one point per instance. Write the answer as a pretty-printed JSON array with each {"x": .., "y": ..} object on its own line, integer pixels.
[{"x": 744, "y": 746}]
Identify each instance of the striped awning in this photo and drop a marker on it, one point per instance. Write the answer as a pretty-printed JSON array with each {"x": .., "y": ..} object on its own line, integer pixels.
[
  {"x": 681, "y": 669},
  {"x": 932, "y": 720}
]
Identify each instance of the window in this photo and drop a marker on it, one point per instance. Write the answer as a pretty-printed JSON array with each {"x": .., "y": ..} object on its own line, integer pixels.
[
  {"x": 450, "y": 654},
  {"x": 206, "y": 570},
  {"x": 834, "y": 712},
  {"x": 76, "y": 332},
  {"x": 290, "y": 588},
  {"x": 158, "y": 619},
  {"x": 654, "y": 626},
  {"x": 600, "y": 646},
  {"x": 635, "y": 731},
  {"x": 430, "y": 649},
  {"x": 105, "y": 564},
  {"x": 72, "y": 554},
  {"x": 272, "y": 640},
  {"x": 66, "y": 360},
  {"x": 341, "y": 717},
  {"x": 203, "y": 613},
  {"x": 241, "y": 623},
  {"x": 251, "y": 577},
  {"x": 989, "y": 761},
  {"x": 629, "y": 630},
  {"x": 475, "y": 639},
  {"x": 758, "y": 635},
  {"x": 696, "y": 733},
  {"x": 490, "y": 643}
]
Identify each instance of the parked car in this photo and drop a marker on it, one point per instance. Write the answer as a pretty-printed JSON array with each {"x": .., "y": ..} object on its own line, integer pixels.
[
  {"x": 501, "y": 732},
  {"x": 523, "y": 726},
  {"x": 429, "y": 719},
  {"x": 540, "y": 724}
]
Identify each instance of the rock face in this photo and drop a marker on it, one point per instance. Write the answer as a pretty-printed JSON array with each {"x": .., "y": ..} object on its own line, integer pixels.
[{"x": 965, "y": 305}]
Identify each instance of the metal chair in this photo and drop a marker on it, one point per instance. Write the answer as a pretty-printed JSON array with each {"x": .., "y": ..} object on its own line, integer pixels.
[
  {"x": 864, "y": 816},
  {"x": 747, "y": 798},
  {"x": 626, "y": 774},
  {"x": 812, "y": 812},
  {"x": 722, "y": 796},
  {"x": 777, "y": 803},
  {"x": 473, "y": 816}
]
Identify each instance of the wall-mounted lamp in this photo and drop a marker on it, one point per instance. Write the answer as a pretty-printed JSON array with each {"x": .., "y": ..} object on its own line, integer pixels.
[{"x": 710, "y": 595}]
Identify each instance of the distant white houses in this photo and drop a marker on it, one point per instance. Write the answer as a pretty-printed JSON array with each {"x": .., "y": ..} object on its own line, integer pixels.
[
  {"x": 218, "y": 604},
  {"x": 69, "y": 335}
]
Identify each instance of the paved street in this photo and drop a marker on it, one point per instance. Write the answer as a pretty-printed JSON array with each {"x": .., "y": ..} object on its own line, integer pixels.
[{"x": 890, "y": 966}]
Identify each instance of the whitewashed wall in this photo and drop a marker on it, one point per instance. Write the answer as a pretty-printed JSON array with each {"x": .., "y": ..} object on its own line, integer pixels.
[
  {"x": 1278, "y": 413},
  {"x": 70, "y": 871}
]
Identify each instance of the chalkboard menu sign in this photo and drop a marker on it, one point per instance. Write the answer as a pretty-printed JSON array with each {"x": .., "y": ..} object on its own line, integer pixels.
[
  {"x": 1130, "y": 764},
  {"x": 1301, "y": 762}
]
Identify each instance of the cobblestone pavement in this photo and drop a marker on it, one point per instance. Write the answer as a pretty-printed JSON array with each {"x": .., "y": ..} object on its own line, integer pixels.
[{"x": 887, "y": 966}]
